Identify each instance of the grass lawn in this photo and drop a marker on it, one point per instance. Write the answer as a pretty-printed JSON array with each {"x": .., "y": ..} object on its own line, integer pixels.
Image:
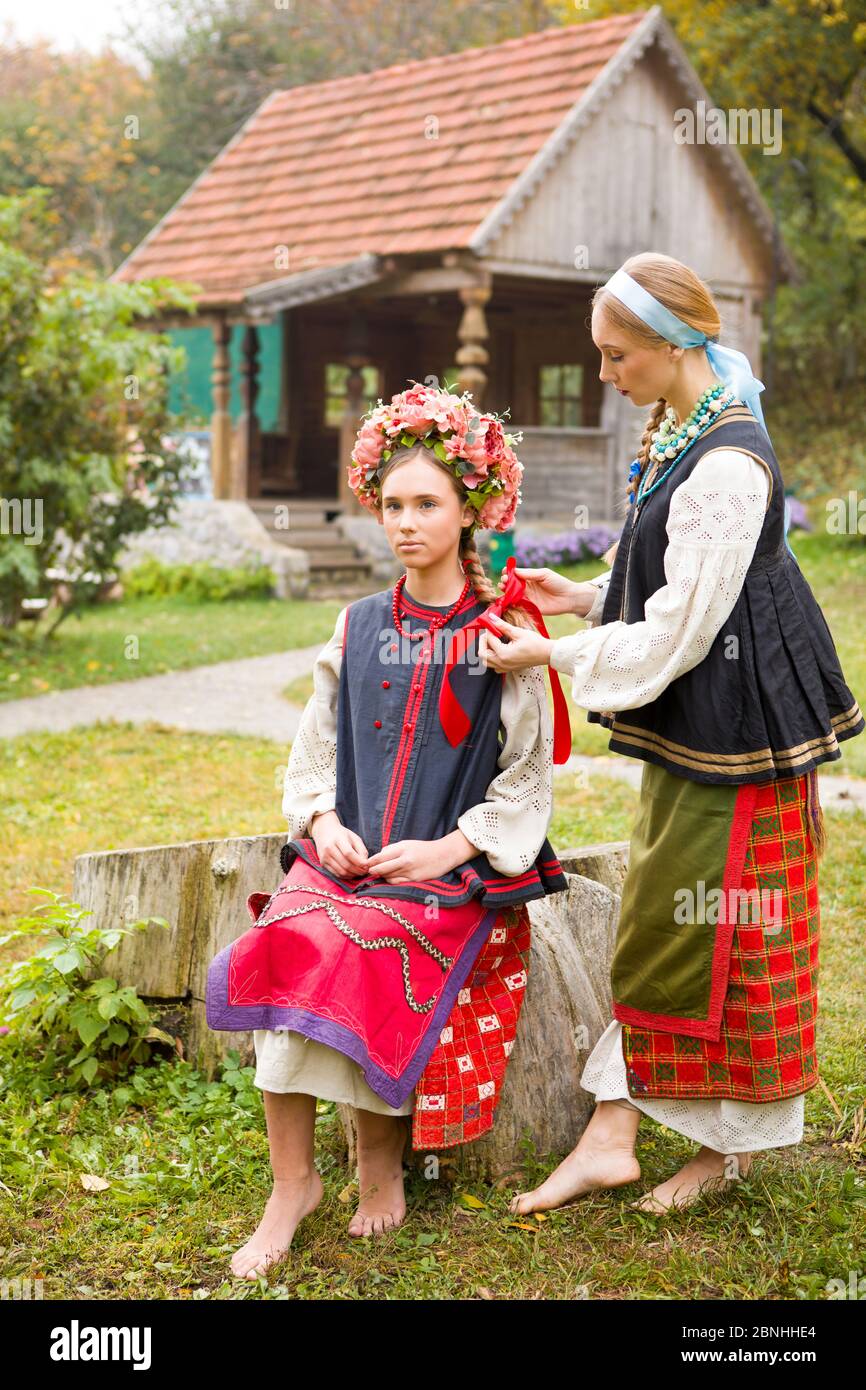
[
  {"x": 145, "y": 637},
  {"x": 186, "y": 1160}
]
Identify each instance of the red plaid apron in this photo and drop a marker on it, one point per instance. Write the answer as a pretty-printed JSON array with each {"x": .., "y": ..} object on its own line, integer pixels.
[
  {"x": 458, "y": 1091},
  {"x": 766, "y": 1049}
]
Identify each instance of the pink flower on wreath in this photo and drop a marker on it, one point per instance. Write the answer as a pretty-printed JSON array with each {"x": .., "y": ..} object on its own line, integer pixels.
[
  {"x": 415, "y": 418},
  {"x": 476, "y": 451},
  {"x": 455, "y": 447},
  {"x": 494, "y": 441},
  {"x": 499, "y": 511},
  {"x": 368, "y": 450}
]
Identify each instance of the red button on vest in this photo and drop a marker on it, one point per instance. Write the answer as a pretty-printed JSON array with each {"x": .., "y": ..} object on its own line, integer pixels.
[
  {"x": 385, "y": 685},
  {"x": 408, "y": 726},
  {"x": 393, "y": 646},
  {"x": 416, "y": 687},
  {"x": 378, "y": 723}
]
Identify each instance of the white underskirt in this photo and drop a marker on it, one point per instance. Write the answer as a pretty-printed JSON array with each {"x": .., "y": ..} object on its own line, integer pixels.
[
  {"x": 727, "y": 1126},
  {"x": 288, "y": 1062}
]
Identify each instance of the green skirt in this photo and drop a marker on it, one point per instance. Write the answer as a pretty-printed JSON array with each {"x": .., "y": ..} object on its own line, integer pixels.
[{"x": 715, "y": 964}]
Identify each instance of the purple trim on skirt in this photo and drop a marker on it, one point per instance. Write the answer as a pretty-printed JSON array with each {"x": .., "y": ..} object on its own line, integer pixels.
[{"x": 239, "y": 1018}]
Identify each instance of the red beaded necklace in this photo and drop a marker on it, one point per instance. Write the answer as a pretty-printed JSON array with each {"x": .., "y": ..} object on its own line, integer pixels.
[{"x": 440, "y": 619}]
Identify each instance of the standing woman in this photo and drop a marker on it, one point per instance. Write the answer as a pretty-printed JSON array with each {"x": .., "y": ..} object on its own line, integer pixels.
[{"x": 713, "y": 663}]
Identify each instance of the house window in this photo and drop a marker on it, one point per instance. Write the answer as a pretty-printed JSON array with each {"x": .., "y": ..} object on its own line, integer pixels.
[
  {"x": 336, "y": 376},
  {"x": 560, "y": 392}
]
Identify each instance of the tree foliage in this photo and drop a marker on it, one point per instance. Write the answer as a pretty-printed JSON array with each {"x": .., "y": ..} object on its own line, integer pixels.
[{"x": 83, "y": 408}]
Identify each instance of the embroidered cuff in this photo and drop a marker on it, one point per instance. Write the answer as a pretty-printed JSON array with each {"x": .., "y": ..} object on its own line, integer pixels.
[
  {"x": 561, "y": 655},
  {"x": 300, "y": 824},
  {"x": 594, "y": 613}
]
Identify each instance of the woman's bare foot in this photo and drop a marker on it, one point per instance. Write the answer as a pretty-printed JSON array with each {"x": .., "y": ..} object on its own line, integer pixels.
[
  {"x": 603, "y": 1157},
  {"x": 382, "y": 1205},
  {"x": 707, "y": 1171},
  {"x": 290, "y": 1201}
]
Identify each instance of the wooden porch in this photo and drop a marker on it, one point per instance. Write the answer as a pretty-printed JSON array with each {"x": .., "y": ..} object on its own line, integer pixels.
[{"x": 517, "y": 343}]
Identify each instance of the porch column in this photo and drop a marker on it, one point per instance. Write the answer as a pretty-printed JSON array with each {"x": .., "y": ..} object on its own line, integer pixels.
[
  {"x": 472, "y": 356},
  {"x": 290, "y": 413},
  {"x": 220, "y": 420},
  {"x": 348, "y": 433},
  {"x": 246, "y": 469}
]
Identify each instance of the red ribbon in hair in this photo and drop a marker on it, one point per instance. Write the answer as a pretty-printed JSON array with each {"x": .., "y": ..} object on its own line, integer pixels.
[{"x": 454, "y": 719}]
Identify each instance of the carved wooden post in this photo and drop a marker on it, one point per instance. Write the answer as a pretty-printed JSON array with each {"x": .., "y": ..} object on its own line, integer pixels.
[
  {"x": 472, "y": 356},
  {"x": 220, "y": 423},
  {"x": 246, "y": 474},
  {"x": 285, "y": 419},
  {"x": 348, "y": 433}
]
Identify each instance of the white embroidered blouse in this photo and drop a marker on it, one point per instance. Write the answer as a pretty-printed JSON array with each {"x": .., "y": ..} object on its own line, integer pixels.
[
  {"x": 509, "y": 826},
  {"x": 713, "y": 526}
]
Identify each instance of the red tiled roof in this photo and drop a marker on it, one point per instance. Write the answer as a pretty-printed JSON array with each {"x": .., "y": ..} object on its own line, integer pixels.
[{"x": 336, "y": 169}]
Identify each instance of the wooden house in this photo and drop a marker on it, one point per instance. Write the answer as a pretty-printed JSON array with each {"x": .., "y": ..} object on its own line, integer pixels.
[{"x": 450, "y": 218}]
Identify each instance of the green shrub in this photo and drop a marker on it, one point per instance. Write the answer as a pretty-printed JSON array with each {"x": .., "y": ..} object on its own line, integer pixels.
[
  {"x": 201, "y": 582},
  {"x": 52, "y": 1006}
]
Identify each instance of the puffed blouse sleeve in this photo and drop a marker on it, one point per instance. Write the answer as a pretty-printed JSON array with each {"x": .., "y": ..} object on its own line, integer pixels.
[
  {"x": 310, "y": 783},
  {"x": 713, "y": 525},
  {"x": 510, "y": 826}
]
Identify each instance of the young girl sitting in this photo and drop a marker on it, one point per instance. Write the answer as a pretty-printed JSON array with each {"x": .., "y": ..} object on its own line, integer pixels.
[{"x": 388, "y": 970}]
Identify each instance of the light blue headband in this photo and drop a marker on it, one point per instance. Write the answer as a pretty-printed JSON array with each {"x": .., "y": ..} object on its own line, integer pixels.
[{"x": 729, "y": 364}]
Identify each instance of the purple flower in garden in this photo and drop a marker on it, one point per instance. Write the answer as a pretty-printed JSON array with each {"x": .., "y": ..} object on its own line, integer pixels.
[
  {"x": 4, "y": 1029},
  {"x": 798, "y": 518},
  {"x": 565, "y": 548}
]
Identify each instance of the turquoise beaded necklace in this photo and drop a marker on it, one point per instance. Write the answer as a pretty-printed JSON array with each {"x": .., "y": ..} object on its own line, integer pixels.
[{"x": 670, "y": 442}]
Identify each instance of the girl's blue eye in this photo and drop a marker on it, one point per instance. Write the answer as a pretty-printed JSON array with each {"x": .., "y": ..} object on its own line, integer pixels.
[{"x": 615, "y": 359}]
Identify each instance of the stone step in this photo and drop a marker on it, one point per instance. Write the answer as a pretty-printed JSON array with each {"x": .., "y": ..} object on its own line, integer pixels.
[
  {"x": 308, "y": 537},
  {"x": 304, "y": 510},
  {"x": 334, "y": 562},
  {"x": 333, "y": 558}
]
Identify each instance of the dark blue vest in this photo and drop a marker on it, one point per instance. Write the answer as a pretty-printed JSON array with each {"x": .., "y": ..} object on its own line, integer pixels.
[
  {"x": 769, "y": 699},
  {"x": 398, "y": 777}
]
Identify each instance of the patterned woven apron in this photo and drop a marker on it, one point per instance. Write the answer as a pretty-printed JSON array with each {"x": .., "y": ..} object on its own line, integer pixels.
[
  {"x": 421, "y": 1000},
  {"x": 724, "y": 1008}
]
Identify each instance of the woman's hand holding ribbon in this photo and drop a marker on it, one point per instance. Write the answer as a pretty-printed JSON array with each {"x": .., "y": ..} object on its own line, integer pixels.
[
  {"x": 534, "y": 651},
  {"x": 525, "y": 647}
]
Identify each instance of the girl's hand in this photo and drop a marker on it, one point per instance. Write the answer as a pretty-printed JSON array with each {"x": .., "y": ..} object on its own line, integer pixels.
[
  {"x": 412, "y": 861},
  {"x": 525, "y": 647},
  {"x": 552, "y": 593},
  {"x": 339, "y": 849}
]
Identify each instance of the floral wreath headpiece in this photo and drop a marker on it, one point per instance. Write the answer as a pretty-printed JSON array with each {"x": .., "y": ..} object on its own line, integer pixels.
[{"x": 472, "y": 443}]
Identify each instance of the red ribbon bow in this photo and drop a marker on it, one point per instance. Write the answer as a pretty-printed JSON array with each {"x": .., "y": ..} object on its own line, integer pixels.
[{"x": 454, "y": 719}]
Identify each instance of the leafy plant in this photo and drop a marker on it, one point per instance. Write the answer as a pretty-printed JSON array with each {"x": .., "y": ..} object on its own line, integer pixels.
[
  {"x": 151, "y": 578},
  {"x": 52, "y": 1003},
  {"x": 84, "y": 461}
]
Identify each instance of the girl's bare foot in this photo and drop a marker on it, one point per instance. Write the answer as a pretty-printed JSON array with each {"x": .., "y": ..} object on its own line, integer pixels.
[
  {"x": 603, "y": 1157},
  {"x": 290, "y": 1201},
  {"x": 707, "y": 1171},
  {"x": 382, "y": 1205}
]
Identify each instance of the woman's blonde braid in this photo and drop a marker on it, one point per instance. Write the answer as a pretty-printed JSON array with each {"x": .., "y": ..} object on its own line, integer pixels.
[
  {"x": 643, "y": 457},
  {"x": 655, "y": 418}
]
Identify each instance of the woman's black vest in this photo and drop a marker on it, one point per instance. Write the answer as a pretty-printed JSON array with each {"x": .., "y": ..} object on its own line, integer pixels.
[{"x": 769, "y": 699}]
